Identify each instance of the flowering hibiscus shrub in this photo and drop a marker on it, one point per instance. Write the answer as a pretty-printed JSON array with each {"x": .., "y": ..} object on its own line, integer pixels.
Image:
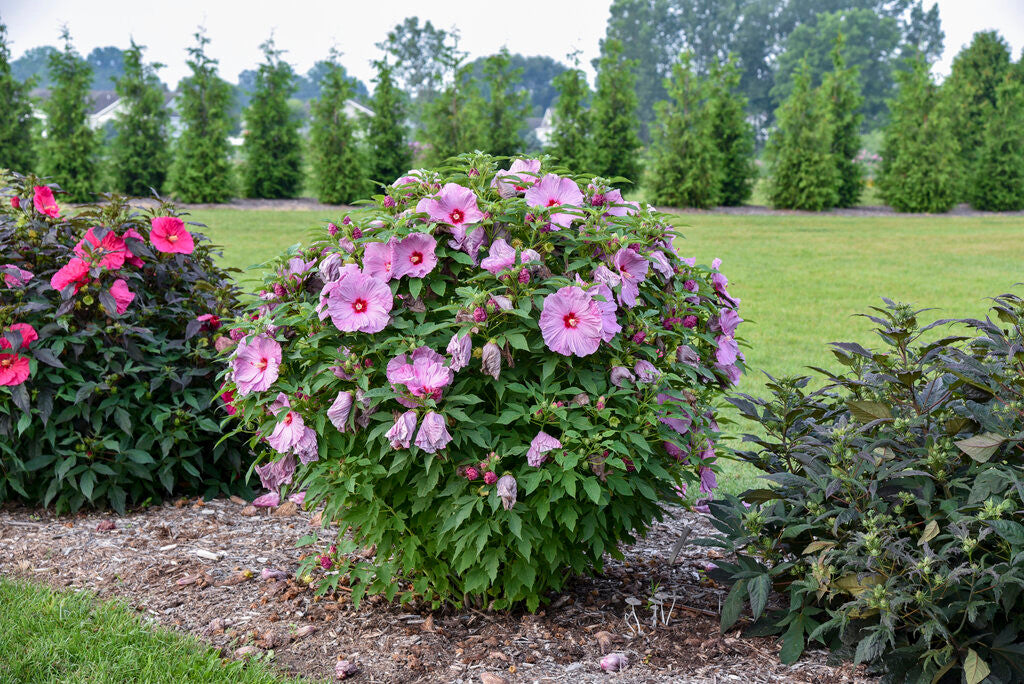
[
  {"x": 894, "y": 521},
  {"x": 108, "y": 322},
  {"x": 490, "y": 379}
]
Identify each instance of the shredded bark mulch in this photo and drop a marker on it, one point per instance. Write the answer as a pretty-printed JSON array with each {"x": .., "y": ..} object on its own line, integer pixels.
[{"x": 198, "y": 567}]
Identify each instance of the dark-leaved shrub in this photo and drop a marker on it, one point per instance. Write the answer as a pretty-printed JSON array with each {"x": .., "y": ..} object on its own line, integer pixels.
[
  {"x": 108, "y": 321},
  {"x": 893, "y": 518}
]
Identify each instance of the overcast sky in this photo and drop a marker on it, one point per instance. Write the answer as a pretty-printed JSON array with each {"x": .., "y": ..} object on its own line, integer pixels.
[{"x": 307, "y": 29}]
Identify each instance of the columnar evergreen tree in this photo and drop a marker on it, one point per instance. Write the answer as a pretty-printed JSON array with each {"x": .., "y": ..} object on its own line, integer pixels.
[
  {"x": 140, "y": 151},
  {"x": 976, "y": 74},
  {"x": 202, "y": 166},
  {"x": 339, "y": 169},
  {"x": 387, "y": 133},
  {"x": 997, "y": 182},
  {"x": 452, "y": 122},
  {"x": 731, "y": 134},
  {"x": 842, "y": 90},
  {"x": 17, "y": 151},
  {"x": 272, "y": 146},
  {"x": 920, "y": 157},
  {"x": 614, "y": 139},
  {"x": 570, "y": 118},
  {"x": 685, "y": 169},
  {"x": 69, "y": 153},
  {"x": 800, "y": 150},
  {"x": 503, "y": 113}
]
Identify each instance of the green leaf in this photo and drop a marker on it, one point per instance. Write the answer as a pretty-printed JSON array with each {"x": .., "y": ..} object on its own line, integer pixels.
[
  {"x": 592, "y": 488},
  {"x": 792, "y": 643},
  {"x": 981, "y": 447},
  {"x": 1012, "y": 532},
  {"x": 975, "y": 669},
  {"x": 415, "y": 287},
  {"x": 123, "y": 421},
  {"x": 518, "y": 341},
  {"x": 758, "y": 588},
  {"x": 867, "y": 411},
  {"x": 733, "y": 605}
]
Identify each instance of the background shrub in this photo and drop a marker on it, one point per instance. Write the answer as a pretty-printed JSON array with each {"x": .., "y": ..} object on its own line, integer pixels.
[
  {"x": 118, "y": 404},
  {"x": 494, "y": 462},
  {"x": 894, "y": 520}
]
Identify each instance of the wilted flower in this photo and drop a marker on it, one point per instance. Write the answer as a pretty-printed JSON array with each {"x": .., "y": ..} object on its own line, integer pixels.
[
  {"x": 620, "y": 375},
  {"x": 646, "y": 371},
  {"x": 613, "y": 662},
  {"x": 672, "y": 418},
  {"x": 433, "y": 434},
  {"x": 687, "y": 355},
  {"x": 460, "y": 348},
  {"x": 123, "y": 297},
  {"x": 340, "y": 410},
  {"x": 540, "y": 445},
  {"x": 400, "y": 434},
  {"x": 491, "y": 360},
  {"x": 268, "y": 500},
  {"x": 276, "y": 474},
  {"x": 15, "y": 276},
  {"x": 507, "y": 491},
  {"x": 27, "y": 332},
  {"x": 708, "y": 481}
]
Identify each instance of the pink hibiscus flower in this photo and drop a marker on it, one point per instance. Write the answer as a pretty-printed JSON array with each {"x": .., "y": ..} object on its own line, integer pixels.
[
  {"x": 340, "y": 410},
  {"x": 521, "y": 175},
  {"x": 14, "y": 369},
  {"x": 27, "y": 332},
  {"x": 132, "y": 234},
  {"x": 726, "y": 350},
  {"x": 110, "y": 252},
  {"x": 571, "y": 322},
  {"x": 378, "y": 260},
  {"x": 554, "y": 191},
  {"x": 454, "y": 205},
  {"x": 609, "y": 324},
  {"x": 277, "y": 474},
  {"x": 15, "y": 276},
  {"x": 618, "y": 206},
  {"x": 678, "y": 415},
  {"x": 400, "y": 434},
  {"x": 540, "y": 445},
  {"x": 414, "y": 255},
  {"x": 425, "y": 377},
  {"x": 433, "y": 435},
  {"x": 44, "y": 202},
  {"x": 76, "y": 273},
  {"x": 122, "y": 295},
  {"x": 169, "y": 235},
  {"x": 358, "y": 303},
  {"x": 256, "y": 363},
  {"x": 503, "y": 256},
  {"x": 290, "y": 429},
  {"x": 632, "y": 270}
]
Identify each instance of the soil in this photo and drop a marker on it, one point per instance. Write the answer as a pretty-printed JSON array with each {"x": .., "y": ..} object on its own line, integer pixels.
[
  {"x": 308, "y": 204},
  {"x": 197, "y": 567}
]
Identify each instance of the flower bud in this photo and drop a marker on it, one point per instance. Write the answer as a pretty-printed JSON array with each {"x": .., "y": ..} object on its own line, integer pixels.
[
  {"x": 332, "y": 229},
  {"x": 490, "y": 477},
  {"x": 472, "y": 473},
  {"x": 479, "y": 314},
  {"x": 389, "y": 202}
]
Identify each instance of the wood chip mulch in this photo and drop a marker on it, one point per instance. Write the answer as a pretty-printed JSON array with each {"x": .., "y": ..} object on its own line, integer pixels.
[{"x": 197, "y": 567}]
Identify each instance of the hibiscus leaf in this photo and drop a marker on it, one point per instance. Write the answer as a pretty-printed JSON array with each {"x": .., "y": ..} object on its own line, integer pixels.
[
  {"x": 20, "y": 396},
  {"x": 108, "y": 302},
  {"x": 518, "y": 341},
  {"x": 981, "y": 447},
  {"x": 415, "y": 287},
  {"x": 48, "y": 357}
]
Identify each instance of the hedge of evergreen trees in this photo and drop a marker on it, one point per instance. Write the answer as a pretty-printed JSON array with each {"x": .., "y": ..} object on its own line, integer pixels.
[{"x": 961, "y": 141}]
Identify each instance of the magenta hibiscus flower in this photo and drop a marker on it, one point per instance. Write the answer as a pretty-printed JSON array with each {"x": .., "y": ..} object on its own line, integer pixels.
[
  {"x": 123, "y": 297},
  {"x": 552, "y": 192},
  {"x": 609, "y": 324},
  {"x": 110, "y": 252},
  {"x": 168, "y": 234},
  {"x": 454, "y": 205},
  {"x": 132, "y": 234},
  {"x": 14, "y": 369},
  {"x": 256, "y": 364},
  {"x": 522, "y": 174},
  {"x": 27, "y": 332},
  {"x": 358, "y": 303},
  {"x": 503, "y": 256},
  {"x": 414, "y": 255},
  {"x": 632, "y": 270},
  {"x": 44, "y": 202},
  {"x": 571, "y": 322},
  {"x": 75, "y": 272},
  {"x": 15, "y": 276}
]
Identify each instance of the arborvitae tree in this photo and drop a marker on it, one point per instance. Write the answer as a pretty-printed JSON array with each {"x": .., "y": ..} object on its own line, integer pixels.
[
  {"x": 997, "y": 182},
  {"x": 339, "y": 170},
  {"x": 452, "y": 118},
  {"x": 69, "y": 153},
  {"x": 615, "y": 140},
  {"x": 920, "y": 157},
  {"x": 976, "y": 74},
  {"x": 140, "y": 152},
  {"x": 731, "y": 134},
  {"x": 202, "y": 166},
  {"x": 570, "y": 119},
  {"x": 387, "y": 134},
  {"x": 842, "y": 89},
  {"x": 503, "y": 113},
  {"x": 17, "y": 151},
  {"x": 272, "y": 147},
  {"x": 685, "y": 169},
  {"x": 800, "y": 150}
]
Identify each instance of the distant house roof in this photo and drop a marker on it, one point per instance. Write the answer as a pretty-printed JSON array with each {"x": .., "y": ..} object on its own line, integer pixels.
[{"x": 99, "y": 99}]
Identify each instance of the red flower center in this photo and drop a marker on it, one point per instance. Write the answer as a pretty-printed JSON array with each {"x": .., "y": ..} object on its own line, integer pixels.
[
  {"x": 553, "y": 202},
  {"x": 416, "y": 258},
  {"x": 289, "y": 418},
  {"x": 456, "y": 216},
  {"x": 359, "y": 306},
  {"x": 570, "y": 320}
]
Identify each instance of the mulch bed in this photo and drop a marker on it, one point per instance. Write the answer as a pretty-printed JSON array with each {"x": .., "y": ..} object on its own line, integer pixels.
[{"x": 196, "y": 566}]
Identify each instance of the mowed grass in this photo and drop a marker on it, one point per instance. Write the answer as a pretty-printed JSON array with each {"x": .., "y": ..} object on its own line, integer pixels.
[
  {"x": 802, "y": 278},
  {"x": 65, "y": 636}
]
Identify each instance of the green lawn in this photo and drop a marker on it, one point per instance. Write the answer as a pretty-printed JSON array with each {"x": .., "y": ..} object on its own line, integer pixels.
[
  {"x": 801, "y": 277},
  {"x": 51, "y": 636}
]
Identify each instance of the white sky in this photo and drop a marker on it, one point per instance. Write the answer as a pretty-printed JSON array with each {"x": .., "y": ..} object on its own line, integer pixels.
[{"x": 307, "y": 29}]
